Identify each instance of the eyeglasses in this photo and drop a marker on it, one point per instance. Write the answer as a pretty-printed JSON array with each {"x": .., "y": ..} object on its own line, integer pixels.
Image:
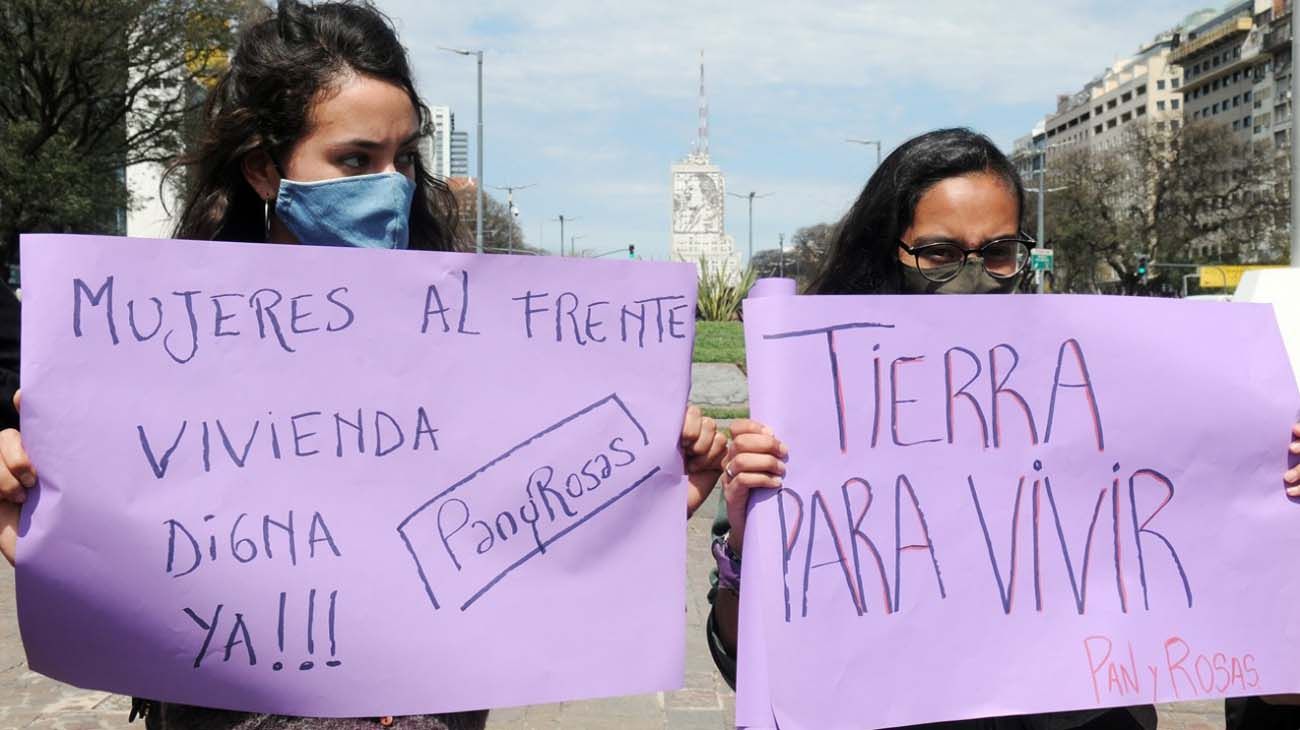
[{"x": 943, "y": 261}]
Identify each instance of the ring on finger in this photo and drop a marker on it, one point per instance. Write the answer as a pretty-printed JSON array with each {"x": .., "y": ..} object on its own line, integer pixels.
[{"x": 730, "y": 474}]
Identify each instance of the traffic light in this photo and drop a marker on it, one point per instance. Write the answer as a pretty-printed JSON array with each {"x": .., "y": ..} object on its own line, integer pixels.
[
  {"x": 631, "y": 250},
  {"x": 1142, "y": 268}
]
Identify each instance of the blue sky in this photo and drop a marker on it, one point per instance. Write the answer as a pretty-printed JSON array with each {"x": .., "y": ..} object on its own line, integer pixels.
[{"x": 593, "y": 101}]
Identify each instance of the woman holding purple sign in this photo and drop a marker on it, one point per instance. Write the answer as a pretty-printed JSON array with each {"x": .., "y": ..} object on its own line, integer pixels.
[
  {"x": 941, "y": 215},
  {"x": 312, "y": 135}
]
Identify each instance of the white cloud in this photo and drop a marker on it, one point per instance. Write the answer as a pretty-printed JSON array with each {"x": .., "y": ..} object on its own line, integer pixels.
[
  {"x": 595, "y": 99},
  {"x": 591, "y": 54}
]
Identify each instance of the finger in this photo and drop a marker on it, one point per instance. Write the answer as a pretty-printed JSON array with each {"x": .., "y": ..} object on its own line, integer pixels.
[
  {"x": 717, "y": 449},
  {"x": 757, "y": 463},
  {"x": 691, "y": 426},
  {"x": 737, "y": 489},
  {"x": 18, "y": 397},
  {"x": 11, "y": 490},
  {"x": 745, "y": 425},
  {"x": 759, "y": 444},
  {"x": 1295, "y": 447},
  {"x": 1295, "y": 431},
  {"x": 708, "y": 428},
  {"x": 15, "y": 457},
  {"x": 1292, "y": 479}
]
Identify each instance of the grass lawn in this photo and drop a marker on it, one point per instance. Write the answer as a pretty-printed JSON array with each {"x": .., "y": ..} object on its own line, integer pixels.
[
  {"x": 727, "y": 414},
  {"x": 720, "y": 342}
]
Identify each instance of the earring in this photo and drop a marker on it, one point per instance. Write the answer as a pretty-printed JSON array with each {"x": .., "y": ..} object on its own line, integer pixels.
[{"x": 266, "y": 218}]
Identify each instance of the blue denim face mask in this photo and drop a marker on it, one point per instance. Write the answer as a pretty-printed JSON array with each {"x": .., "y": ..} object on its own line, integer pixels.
[{"x": 362, "y": 211}]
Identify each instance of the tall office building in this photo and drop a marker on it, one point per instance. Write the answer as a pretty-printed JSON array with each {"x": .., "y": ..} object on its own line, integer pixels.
[{"x": 435, "y": 145}]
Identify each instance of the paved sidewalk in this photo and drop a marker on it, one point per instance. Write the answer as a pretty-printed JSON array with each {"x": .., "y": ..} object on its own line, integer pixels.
[{"x": 28, "y": 700}]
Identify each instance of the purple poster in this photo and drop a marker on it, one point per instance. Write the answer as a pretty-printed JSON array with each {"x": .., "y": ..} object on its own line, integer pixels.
[
  {"x": 335, "y": 482},
  {"x": 1004, "y": 505}
]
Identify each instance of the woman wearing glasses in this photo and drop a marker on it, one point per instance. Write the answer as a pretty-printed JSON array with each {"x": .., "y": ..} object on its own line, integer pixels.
[{"x": 941, "y": 215}]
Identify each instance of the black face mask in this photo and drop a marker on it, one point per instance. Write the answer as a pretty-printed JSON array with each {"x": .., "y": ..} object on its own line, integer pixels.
[{"x": 972, "y": 280}]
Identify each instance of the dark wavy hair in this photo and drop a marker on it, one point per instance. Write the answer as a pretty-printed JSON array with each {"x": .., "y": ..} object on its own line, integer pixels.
[
  {"x": 282, "y": 63},
  {"x": 863, "y": 255}
]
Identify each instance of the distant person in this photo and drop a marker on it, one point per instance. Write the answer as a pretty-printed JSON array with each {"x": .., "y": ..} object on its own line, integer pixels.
[{"x": 312, "y": 135}]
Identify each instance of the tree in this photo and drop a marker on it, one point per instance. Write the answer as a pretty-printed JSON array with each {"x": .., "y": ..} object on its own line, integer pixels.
[
  {"x": 89, "y": 88},
  {"x": 501, "y": 230},
  {"x": 1198, "y": 194},
  {"x": 803, "y": 254}
]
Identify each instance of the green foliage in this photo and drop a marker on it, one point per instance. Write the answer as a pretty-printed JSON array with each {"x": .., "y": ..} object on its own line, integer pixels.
[
  {"x": 721, "y": 413},
  {"x": 1196, "y": 195},
  {"x": 70, "y": 71},
  {"x": 721, "y": 292},
  {"x": 802, "y": 257},
  {"x": 720, "y": 342}
]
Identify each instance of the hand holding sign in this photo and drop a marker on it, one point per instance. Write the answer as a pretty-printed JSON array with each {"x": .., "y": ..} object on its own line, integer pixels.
[
  {"x": 703, "y": 447},
  {"x": 1292, "y": 477},
  {"x": 755, "y": 460},
  {"x": 16, "y": 477}
]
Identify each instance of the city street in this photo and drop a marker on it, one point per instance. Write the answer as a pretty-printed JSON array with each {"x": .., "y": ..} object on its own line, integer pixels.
[{"x": 28, "y": 700}]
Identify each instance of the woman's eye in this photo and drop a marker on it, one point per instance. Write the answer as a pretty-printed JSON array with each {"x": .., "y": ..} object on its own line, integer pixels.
[
  {"x": 940, "y": 256},
  {"x": 354, "y": 162}
]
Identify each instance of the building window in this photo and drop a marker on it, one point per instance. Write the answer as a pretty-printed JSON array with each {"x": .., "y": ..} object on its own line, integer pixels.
[
  {"x": 1236, "y": 52},
  {"x": 1096, "y": 129},
  {"x": 1174, "y": 125},
  {"x": 1112, "y": 103},
  {"x": 1175, "y": 103},
  {"x": 1236, "y": 124},
  {"x": 1215, "y": 109},
  {"x": 1086, "y": 116},
  {"x": 1097, "y": 111},
  {"x": 1125, "y": 117},
  {"x": 1111, "y": 124},
  {"x": 1160, "y": 105},
  {"x": 1246, "y": 96},
  {"x": 1175, "y": 83},
  {"x": 1160, "y": 84},
  {"x": 1246, "y": 121},
  {"x": 1127, "y": 97},
  {"x": 1214, "y": 86},
  {"x": 1142, "y": 110},
  {"x": 1142, "y": 89}
]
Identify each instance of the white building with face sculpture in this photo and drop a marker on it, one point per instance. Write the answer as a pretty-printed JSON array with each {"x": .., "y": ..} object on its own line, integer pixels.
[
  {"x": 699, "y": 234},
  {"x": 698, "y": 205}
]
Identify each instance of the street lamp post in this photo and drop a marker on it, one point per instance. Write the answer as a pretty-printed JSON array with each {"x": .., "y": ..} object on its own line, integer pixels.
[
  {"x": 573, "y": 249},
  {"x": 562, "y": 219},
  {"x": 478, "y": 208},
  {"x": 780, "y": 238},
  {"x": 510, "y": 206},
  {"x": 750, "y": 196},
  {"x": 1041, "y": 191},
  {"x": 875, "y": 142}
]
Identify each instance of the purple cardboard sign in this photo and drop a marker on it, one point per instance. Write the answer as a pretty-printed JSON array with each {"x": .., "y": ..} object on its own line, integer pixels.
[
  {"x": 337, "y": 482},
  {"x": 1004, "y": 505}
]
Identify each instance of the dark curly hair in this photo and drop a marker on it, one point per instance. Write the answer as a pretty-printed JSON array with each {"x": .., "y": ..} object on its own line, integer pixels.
[
  {"x": 283, "y": 61},
  {"x": 863, "y": 255}
]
